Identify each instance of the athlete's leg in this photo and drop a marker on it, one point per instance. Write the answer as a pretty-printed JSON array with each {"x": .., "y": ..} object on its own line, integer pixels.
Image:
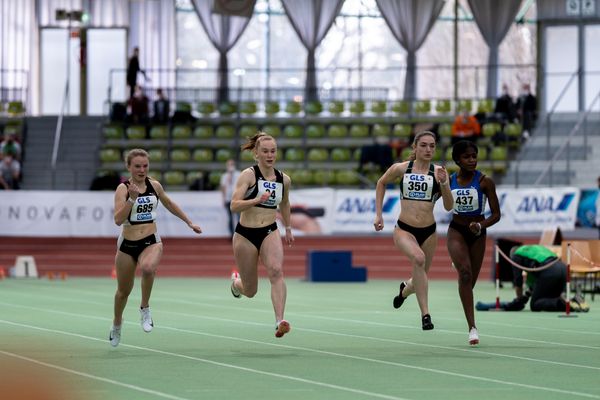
[
  {"x": 271, "y": 254},
  {"x": 149, "y": 260},
  {"x": 460, "y": 254},
  {"x": 246, "y": 259},
  {"x": 125, "y": 268}
]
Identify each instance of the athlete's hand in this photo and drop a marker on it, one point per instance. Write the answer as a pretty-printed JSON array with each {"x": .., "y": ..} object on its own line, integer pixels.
[
  {"x": 378, "y": 224},
  {"x": 265, "y": 196},
  {"x": 195, "y": 228},
  {"x": 289, "y": 236},
  {"x": 133, "y": 190},
  {"x": 475, "y": 227},
  {"x": 441, "y": 175}
]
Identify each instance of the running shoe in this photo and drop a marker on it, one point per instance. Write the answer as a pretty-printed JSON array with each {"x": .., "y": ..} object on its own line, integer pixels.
[
  {"x": 398, "y": 300},
  {"x": 282, "y": 328},
  {"x": 473, "y": 337},
  {"x": 114, "y": 336},
  {"x": 146, "y": 320},
  {"x": 235, "y": 291},
  {"x": 426, "y": 322}
]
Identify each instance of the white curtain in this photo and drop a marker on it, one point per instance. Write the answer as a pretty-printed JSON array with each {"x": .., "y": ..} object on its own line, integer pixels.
[
  {"x": 152, "y": 29},
  {"x": 311, "y": 20},
  {"x": 494, "y": 19},
  {"x": 19, "y": 53},
  {"x": 223, "y": 32},
  {"x": 410, "y": 21}
]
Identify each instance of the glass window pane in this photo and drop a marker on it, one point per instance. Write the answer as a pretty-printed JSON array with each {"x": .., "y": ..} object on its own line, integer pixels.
[
  {"x": 592, "y": 66},
  {"x": 561, "y": 63}
]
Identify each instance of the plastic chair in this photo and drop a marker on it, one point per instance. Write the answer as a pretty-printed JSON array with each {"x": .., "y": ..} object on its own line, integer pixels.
[
  {"x": 225, "y": 132},
  {"x": 315, "y": 131},
  {"x": 293, "y": 131},
  {"x": 317, "y": 155},
  {"x": 181, "y": 155},
  {"x": 227, "y": 109},
  {"x": 248, "y": 131},
  {"x": 203, "y": 132},
  {"x": 381, "y": 130},
  {"x": 271, "y": 107},
  {"x": 157, "y": 155},
  {"x": 486, "y": 106},
  {"x": 405, "y": 153},
  {"x": 183, "y": 106},
  {"x": 337, "y": 131},
  {"x": 359, "y": 131},
  {"x": 181, "y": 132},
  {"x": 110, "y": 155},
  {"x": 205, "y": 108},
  {"x": 248, "y": 108},
  {"x": 294, "y": 154},
  {"x": 272, "y": 129},
  {"x": 346, "y": 177},
  {"x": 357, "y": 107},
  {"x": 423, "y": 107},
  {"x": 302, "y": 177},
  {"x": 193, "y": 176},
  {"x": 313, "y": 108},
  {"x": 293, "y": 107},
  {"x": 443, "y": 106},
  {"x": 136, "y": 132},
  {"x": 340, "y": 154},
  {"x": 401, "y": 107},
  {"x": 336, "y": 107},
  {"x": 202, "y": 155},
  {"x": 247, "y": 156},
  {"x": 214, "y": 178},
  {"x": 223, "y": 154},
  {"x": 402, "y": 131},
  {"x": 174, "y": 178},
  {"x": 15, "y": 108},
  {"x": 378, "y": 107},
  {"x": 464, "y": 104},
  {"x": 112, "y": 132},
  {"x": 323, "y": 177},
  {"x": 159, "y": 132}
]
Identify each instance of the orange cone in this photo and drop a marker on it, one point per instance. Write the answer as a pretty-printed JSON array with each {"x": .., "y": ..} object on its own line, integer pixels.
[
  {"x": 63, "y": 275},
  {"x": 50, "y": 275},
  {"x": 113, "y": 273}
]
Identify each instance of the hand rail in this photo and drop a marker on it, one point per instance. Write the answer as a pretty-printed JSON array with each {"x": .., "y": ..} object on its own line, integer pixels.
[{"x": 550, "y": 166}]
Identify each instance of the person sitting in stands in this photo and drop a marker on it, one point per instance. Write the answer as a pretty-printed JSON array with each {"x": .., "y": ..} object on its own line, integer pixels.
[
  {"x": 138, "y": 106},
  {"x": 465, "y": 127},
  {"x": 161, "y": 108}
]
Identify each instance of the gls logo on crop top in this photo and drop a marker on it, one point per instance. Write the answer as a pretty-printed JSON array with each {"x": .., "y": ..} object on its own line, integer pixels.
[
  {"x": 144, "y": 209},
  {"x": 418, "y": 186},
  {"x": 465, "y": 200},
  {"x": 275, "y": 192}
]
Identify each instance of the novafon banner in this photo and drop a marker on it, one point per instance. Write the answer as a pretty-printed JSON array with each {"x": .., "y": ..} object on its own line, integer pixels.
[{"x": 314, "y": 212}]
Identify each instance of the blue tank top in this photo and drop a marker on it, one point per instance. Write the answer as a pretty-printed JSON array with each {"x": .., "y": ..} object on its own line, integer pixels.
[
  {"x": 419, "y": 187},
  {"x": 469, "y": 200}
]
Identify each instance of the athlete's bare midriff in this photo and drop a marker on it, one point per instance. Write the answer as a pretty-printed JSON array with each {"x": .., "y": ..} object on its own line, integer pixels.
[
  {"x": 137, "y": 232},
  {"x": 418, "y": 214},
  {"x": 257, "y": 217}
]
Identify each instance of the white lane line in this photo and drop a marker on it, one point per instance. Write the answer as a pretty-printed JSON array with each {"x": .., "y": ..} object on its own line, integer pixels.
[
  {"x": 94, "y": 377},
  {"x": 206, "y": 361},
  {"x": 317, "y": 331},
  {"x": 383, "y": 362}
]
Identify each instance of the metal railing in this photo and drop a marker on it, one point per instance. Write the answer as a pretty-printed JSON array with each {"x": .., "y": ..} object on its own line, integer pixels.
[{"x": 582, "y": 121}]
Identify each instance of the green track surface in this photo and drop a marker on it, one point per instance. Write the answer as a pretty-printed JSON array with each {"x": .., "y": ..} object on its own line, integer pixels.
[{"x": 347, "y": 342}]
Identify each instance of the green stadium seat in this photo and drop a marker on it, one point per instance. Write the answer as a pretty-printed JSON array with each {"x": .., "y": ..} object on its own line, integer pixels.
[
  {"x": 136, "y": 132},
  {"x": 437, "y": 155},
  {"x": 378, "y": 107},
  {"x": 423, "y": 106},
  {"x": 14, "y": 129},
  {"x": 159, "y": 132},
  {"x": 272, "y": 129},
  {"x": 294, "y": 154},
  {"x": 225, "y": 132},
  {"x": 214, "y": 178},
  {"x": 181, "y": 132},
  {"x": 157, "y": 155},
  {"x": 340, "y": 154},
  {"x": 174, "y": 178},
  {"x": 315, "y": 131},
  {"x": 110, "y": 155},
  {"x": 15, "y": 108},
  {"x": 357, "y": 107},
  {"x": 154, "y": 174},
  {"x": 337, "y": 131},
  {"x": 112, "y": 132},
  {"x": 247, "y": 156},
  {"x": 359, "y": 131},
  {"x": 445, "y": 130},
  {"x": 486, "y": 106},
  {"x": 181, "y": 155},
  {"x": 205, "y": 108},
  {"x": 448, "y": 155},
  {"x": 227, "y": 109},
  {"x": 405, "y": 153},
  {"x": 293, "y": 131},
  {"x": 482, "y": 154},
  {"x": 346, "y": 177},
  {"x": 498, "y": 153},
  {"x": 401, "y": 107},
  {"x": 271, "y": 107},
  {"x": 193, "y": 176},
  {"x": 323, "y": 177},
  {"x": 402, "y": 131},
  {"x": 202, "y": 155},
  {"x": 317, "y": 155},
  {"x": 336, "y": 107},
  {"x": 488, "y": 130},
  {"x": 293, "y": 107},
  {"x": 223, "y": 154},
  {"x": 513, "y": 131},
  {"x": 302, "y": 177},
  {"x": 247, "y": 131},
  {"x": 248, "y": 108},
  {"x": 380, "y": 130},
  {"x": 464, "y": 104},
  {"x": 443, "y": 106},
  {"x": 313, "y": 108},
  {"x": 183, "y": 106},
  {"x": 356, "y": 154},
  {"x": 203, "y": 132}
]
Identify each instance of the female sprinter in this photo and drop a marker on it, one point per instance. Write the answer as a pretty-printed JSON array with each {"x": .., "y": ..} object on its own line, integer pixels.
[
  {"x": 467, "y": 230},
  {"x": 421, "y": 184},
  {"x": 258, "y": 192}
]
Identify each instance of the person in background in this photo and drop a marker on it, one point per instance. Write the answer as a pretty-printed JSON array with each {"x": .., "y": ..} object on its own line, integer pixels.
[
  {"x": 135, "y": 204},
  {"x": 10, "y": 145},
  {"x": 227, "y": 186},
  {"x": 133, "y": 68},
  {"x": 505, "y": 106},
  {"x": 258, "y": 192},
  {"x": 465, "y": 127},
  {"x": 527, "y": 110},
  {"x": 421, "y": 185},
  {"x": 10, "y": 172},
  {"x": 466, "y": 237},
  {"x": 161, "y": 108},
  {"x": 138, "y": 107}
]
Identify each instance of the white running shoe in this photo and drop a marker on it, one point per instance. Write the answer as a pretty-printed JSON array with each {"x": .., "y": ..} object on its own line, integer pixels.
[
  {"x": 234, "y": 290},
  {"x": 114, "y": 336},
  {"x": 146, "y": 320},
  {"x": 473, "y": 337}
]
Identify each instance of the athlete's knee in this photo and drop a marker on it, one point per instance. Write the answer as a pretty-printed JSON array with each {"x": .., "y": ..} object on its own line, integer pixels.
[
  {"x": 250, "y": 292},
  {"x": 275, "y": 274},
  {"x": 465, "y": 276},
  {"x": 147, "y": 269},
  {"x": 418, "y": 259},
  {"x": 123, "y": 293}
]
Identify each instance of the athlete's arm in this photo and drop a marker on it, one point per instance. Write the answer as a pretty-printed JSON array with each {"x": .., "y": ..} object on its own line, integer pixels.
[
  {"x": 394, "y": 172},
  {"x": 238, "y": 204}
]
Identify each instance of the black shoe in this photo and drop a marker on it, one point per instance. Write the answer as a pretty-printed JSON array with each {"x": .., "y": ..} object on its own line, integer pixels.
[
  {"x": 426, "y": 322},
  {"x": 398, "y": 300}
]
